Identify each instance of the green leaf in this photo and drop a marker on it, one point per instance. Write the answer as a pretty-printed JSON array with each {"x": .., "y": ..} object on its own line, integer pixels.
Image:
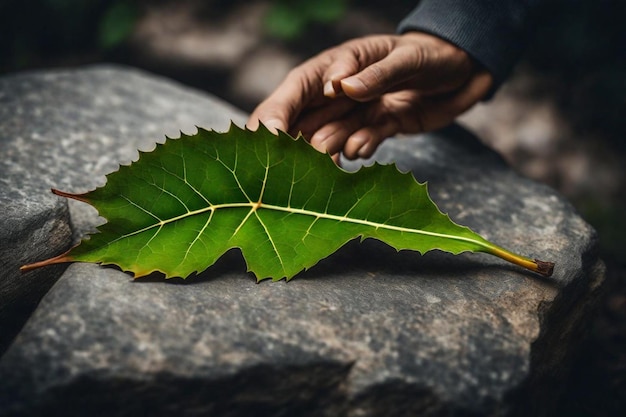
[{"x": 285, "y": 205}]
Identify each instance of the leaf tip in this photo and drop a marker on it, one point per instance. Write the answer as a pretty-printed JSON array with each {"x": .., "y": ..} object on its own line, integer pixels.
[{"x": 544, "y": 268}]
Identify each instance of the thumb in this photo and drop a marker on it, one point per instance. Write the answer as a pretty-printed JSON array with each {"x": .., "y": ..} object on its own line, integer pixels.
[
  {"x": 333, "y": 87},
  {"x": 419, "y": 61},
  {"x": 356, "y": 58},
  {"x": 344, "y": 66},
  {"x": 380, "y": 77}
]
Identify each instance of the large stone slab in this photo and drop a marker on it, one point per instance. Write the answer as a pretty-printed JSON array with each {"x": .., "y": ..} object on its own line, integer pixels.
[
  {"x": 67, "y": 130},
  {"x": 367, "y": 332}
]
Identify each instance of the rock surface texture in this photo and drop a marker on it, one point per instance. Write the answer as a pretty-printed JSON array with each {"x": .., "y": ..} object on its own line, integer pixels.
[
  {"x": 366, "y": 332},
  {"x": 67, "y": 130}
]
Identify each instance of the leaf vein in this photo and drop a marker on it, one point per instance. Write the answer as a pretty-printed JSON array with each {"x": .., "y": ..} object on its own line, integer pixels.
[
  {"x": 140, "y": 208},
  {"x": 269, "y": 236},
  {"x": 234, "y": 174},
  {"x": 158, "y": 187},
  {"x": 200, "y": 233},
  {"x": 183, "y": 179}
]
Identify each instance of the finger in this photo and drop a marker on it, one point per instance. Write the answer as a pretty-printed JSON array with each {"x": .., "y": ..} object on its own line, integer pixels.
[
  {"x": 422, "y": 62},
  {"x": 299, "y": 89},
  {"x": 312, "y": 120},
  {"x": 379, "y": 77},
  {"x": 344, "y": 66},
  {"x": 351, "y": 57},
  {"x": 332, "y": 136},
  {"x": 332, "y": 87},
  {"x": 439, "y": 112},
  {"x": 272, "y": 113},
  {"x": 364, "y": 142},
  {"x": 272, "y": 124}
]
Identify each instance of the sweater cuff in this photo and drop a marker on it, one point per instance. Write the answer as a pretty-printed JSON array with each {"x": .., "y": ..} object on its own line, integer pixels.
[{"x": 492, "y": 32}]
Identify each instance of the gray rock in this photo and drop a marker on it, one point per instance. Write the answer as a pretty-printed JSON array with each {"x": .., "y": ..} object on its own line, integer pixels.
[
  {"x": 67, "y": 129},
  {"x": 367, "y": 332}
]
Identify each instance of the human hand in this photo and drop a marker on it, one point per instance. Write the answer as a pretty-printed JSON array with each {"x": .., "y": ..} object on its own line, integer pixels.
[{"x": 352, "y": 97}]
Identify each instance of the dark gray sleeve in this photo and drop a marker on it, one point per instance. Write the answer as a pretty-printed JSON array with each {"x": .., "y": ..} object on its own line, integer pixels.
[{"x": 493, "y": 32}]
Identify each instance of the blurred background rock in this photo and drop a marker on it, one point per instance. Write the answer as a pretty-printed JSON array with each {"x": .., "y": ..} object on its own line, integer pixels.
[{"x": 560, "y": 118}]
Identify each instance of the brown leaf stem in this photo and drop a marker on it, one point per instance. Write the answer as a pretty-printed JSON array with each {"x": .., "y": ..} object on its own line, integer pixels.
[
  {"x": 63, "y": 258},
  {"x": 540, "y": 267}
]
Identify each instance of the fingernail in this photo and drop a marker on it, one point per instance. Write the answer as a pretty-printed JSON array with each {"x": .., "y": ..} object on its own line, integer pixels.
[
  {"x": 318, "y": 142},
  {"x": 329, "y": 90},
  {"x": 362, "y": 145},
  {"x": 353, "y": 85},
  {"x": 364, "y": 151},
  {"x": 273, "y": 125},
  {"x": 353, "y": 146},
  {"x": 253, "y": 124}
]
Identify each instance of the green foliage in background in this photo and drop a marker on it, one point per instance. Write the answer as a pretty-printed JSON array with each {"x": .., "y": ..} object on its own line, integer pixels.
[
  {"x": 288, "y": 20},
  {"x": 117, "y": 23},
  {"x": 49, "y": 31}
]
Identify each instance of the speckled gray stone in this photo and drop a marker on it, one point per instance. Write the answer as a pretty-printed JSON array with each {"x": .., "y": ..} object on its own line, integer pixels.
[
  {"x": 67, "y": 129},
  {"x": 367, "y": 332}
]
